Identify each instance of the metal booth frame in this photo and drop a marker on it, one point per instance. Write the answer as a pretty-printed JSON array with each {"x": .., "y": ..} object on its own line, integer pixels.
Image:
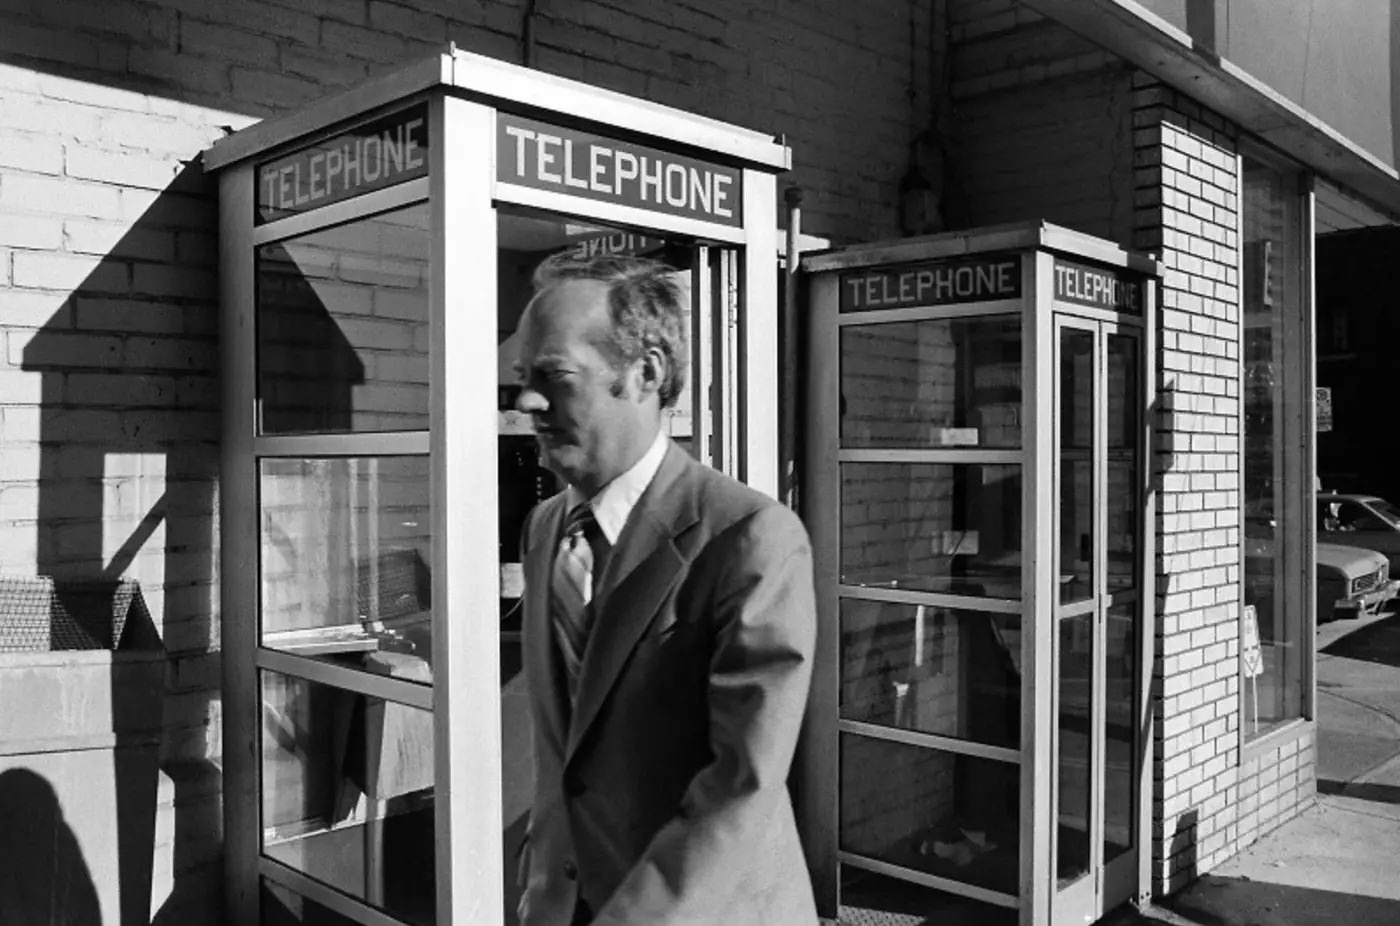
[
  {"x": 1040, "y": 250},
  {"x": 466, "y": 98}
]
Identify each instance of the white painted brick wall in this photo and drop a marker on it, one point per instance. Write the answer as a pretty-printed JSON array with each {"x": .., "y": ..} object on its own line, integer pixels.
[{"x": 1209, "y": 805}]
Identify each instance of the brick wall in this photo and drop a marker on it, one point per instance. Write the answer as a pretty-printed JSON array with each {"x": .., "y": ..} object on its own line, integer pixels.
[
  {"x": 1034, "y": 111},
  {"x": 1276, "y": 783},
  {"x": 1187, "y": 208},
  {"x": 109, "y": 381}
]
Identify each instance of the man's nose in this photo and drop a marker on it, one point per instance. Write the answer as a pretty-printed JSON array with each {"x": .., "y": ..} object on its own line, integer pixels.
[{"x": 531, "y": 401}]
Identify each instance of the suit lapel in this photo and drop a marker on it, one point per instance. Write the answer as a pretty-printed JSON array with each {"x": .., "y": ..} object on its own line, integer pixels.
[
  {"x": 540, "y": 650},
  {"x": 640, "y": 572}
]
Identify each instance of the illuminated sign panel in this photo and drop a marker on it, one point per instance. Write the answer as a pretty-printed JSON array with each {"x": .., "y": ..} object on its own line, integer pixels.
[
  {"x": 1099, "y": 287},
  {"x": 371, "y": 156},
  {"x": 541, "y": 156},
  {"x": 943, "y": 282}
]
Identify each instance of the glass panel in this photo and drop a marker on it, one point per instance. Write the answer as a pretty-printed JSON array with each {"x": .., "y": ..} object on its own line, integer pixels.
[
  {"x": 1277, "y": 483},
  {"x": 895, "y": 901},
  {"x": 936, "y": 670},
  {"x": 1120, "y": 719},
  {"x": 1121, "y": 407},
  {"x": 934, "y": 527},
  {"x": 346, "y": 548},
  {"x": 1076, "y": 465},
  {"x": 1073, "y": 734},
  {"x": 342, "y": 327},
  {"x": 347, "y": 793},
  {"x": 283, "y": 907},
  {"x": 951, "y": 815},
  {"x": 934, "y": 383}
]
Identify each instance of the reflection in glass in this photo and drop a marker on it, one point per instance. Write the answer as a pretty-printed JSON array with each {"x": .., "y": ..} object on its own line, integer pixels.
[
  {"x": 342, "y": 327},
  {"x": 1276, "y": 485},
  {"x": 1072, "y": 733},
  {"x": 936, "y": 670},
  {"x": 1120, "y": 654},
  {"x": 1122, "y": 411},
  {"x": 933, "y": 383},
  {"x": 346, "y": 548},
  {"x": 1076, "y": 464},
  {"x": 347, "y": 792},
  {"x": 935, "y": 527},
  {"x": 283, "y": 907},
  {"x": 947, "y": 814}
]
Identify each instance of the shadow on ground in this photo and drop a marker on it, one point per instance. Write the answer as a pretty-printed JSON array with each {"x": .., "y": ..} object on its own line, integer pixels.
[
  {"x": 1217, "y": 901},
  {"x": 1361, "y": 790},
  {"x": 1377, "y": 642}
]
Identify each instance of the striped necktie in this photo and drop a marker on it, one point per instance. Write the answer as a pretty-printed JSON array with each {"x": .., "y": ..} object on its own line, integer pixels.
[{"x": 571, "y": 590}]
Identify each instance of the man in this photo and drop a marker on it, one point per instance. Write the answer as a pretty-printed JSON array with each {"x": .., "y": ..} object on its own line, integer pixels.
[{"x": 668, "y": 631}]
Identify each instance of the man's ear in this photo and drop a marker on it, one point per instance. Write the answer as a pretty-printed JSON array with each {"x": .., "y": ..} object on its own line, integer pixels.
[{"x": 653, "y": 370}]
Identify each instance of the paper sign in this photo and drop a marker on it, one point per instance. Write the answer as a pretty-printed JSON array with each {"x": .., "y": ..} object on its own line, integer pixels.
[
  {"x": 1324, "y": 408},
  {"x": 1251, "y": 656}
]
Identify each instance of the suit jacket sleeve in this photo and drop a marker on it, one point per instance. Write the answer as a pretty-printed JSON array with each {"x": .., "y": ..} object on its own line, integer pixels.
[{"x": 760, "y": 670}]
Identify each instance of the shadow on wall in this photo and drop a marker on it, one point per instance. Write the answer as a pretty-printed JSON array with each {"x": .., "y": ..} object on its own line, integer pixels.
[
  {"x": 1182, "y": 847},
  {"x": 129, "y": 431},
  {"x": 1179, "y": 837},
  {"x": 43, "y": 878}
]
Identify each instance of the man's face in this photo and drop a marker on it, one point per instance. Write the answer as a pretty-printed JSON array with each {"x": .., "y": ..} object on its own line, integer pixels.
[{"x": 589, "y": 418}]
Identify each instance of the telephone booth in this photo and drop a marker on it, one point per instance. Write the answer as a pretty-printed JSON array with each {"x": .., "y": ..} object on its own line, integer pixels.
[
  {"x": 979, "y": 500},
  {"x": 376, "y": 251}
]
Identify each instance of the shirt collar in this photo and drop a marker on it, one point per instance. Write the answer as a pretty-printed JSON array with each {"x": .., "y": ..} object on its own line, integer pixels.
[{"x": 615, "y": 501}]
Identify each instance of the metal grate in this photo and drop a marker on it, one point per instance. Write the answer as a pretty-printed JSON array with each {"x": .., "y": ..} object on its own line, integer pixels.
[{"x": 40, "y": 614}]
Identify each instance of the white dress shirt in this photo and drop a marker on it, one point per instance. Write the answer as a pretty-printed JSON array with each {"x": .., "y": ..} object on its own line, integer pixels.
[{"x": 615, "y": 501}]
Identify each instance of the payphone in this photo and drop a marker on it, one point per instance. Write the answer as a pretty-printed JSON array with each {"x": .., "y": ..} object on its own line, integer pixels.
[
  {"x": 376, "y": 250},
  {"x": 980, "y": 505}
]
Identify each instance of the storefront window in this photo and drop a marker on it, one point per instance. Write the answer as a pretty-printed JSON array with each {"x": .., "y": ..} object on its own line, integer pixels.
[{"x": 1277, "y": 478}]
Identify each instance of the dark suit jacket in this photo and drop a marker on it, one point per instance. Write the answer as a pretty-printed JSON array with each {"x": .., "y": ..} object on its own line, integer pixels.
[{"x": 662, "y": 799}]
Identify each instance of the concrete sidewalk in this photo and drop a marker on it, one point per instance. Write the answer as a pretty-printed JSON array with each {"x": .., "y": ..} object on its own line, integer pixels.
[{"x": 1336, "y": 863}]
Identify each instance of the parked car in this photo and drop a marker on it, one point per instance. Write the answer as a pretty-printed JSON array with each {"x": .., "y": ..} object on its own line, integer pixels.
[
  {"x": 1360, "y": 521},
  {"x": 1350, "y": 580}
]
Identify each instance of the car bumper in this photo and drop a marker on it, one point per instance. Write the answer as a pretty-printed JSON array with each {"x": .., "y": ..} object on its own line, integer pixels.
[{"x": 1369, "y": 603}]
